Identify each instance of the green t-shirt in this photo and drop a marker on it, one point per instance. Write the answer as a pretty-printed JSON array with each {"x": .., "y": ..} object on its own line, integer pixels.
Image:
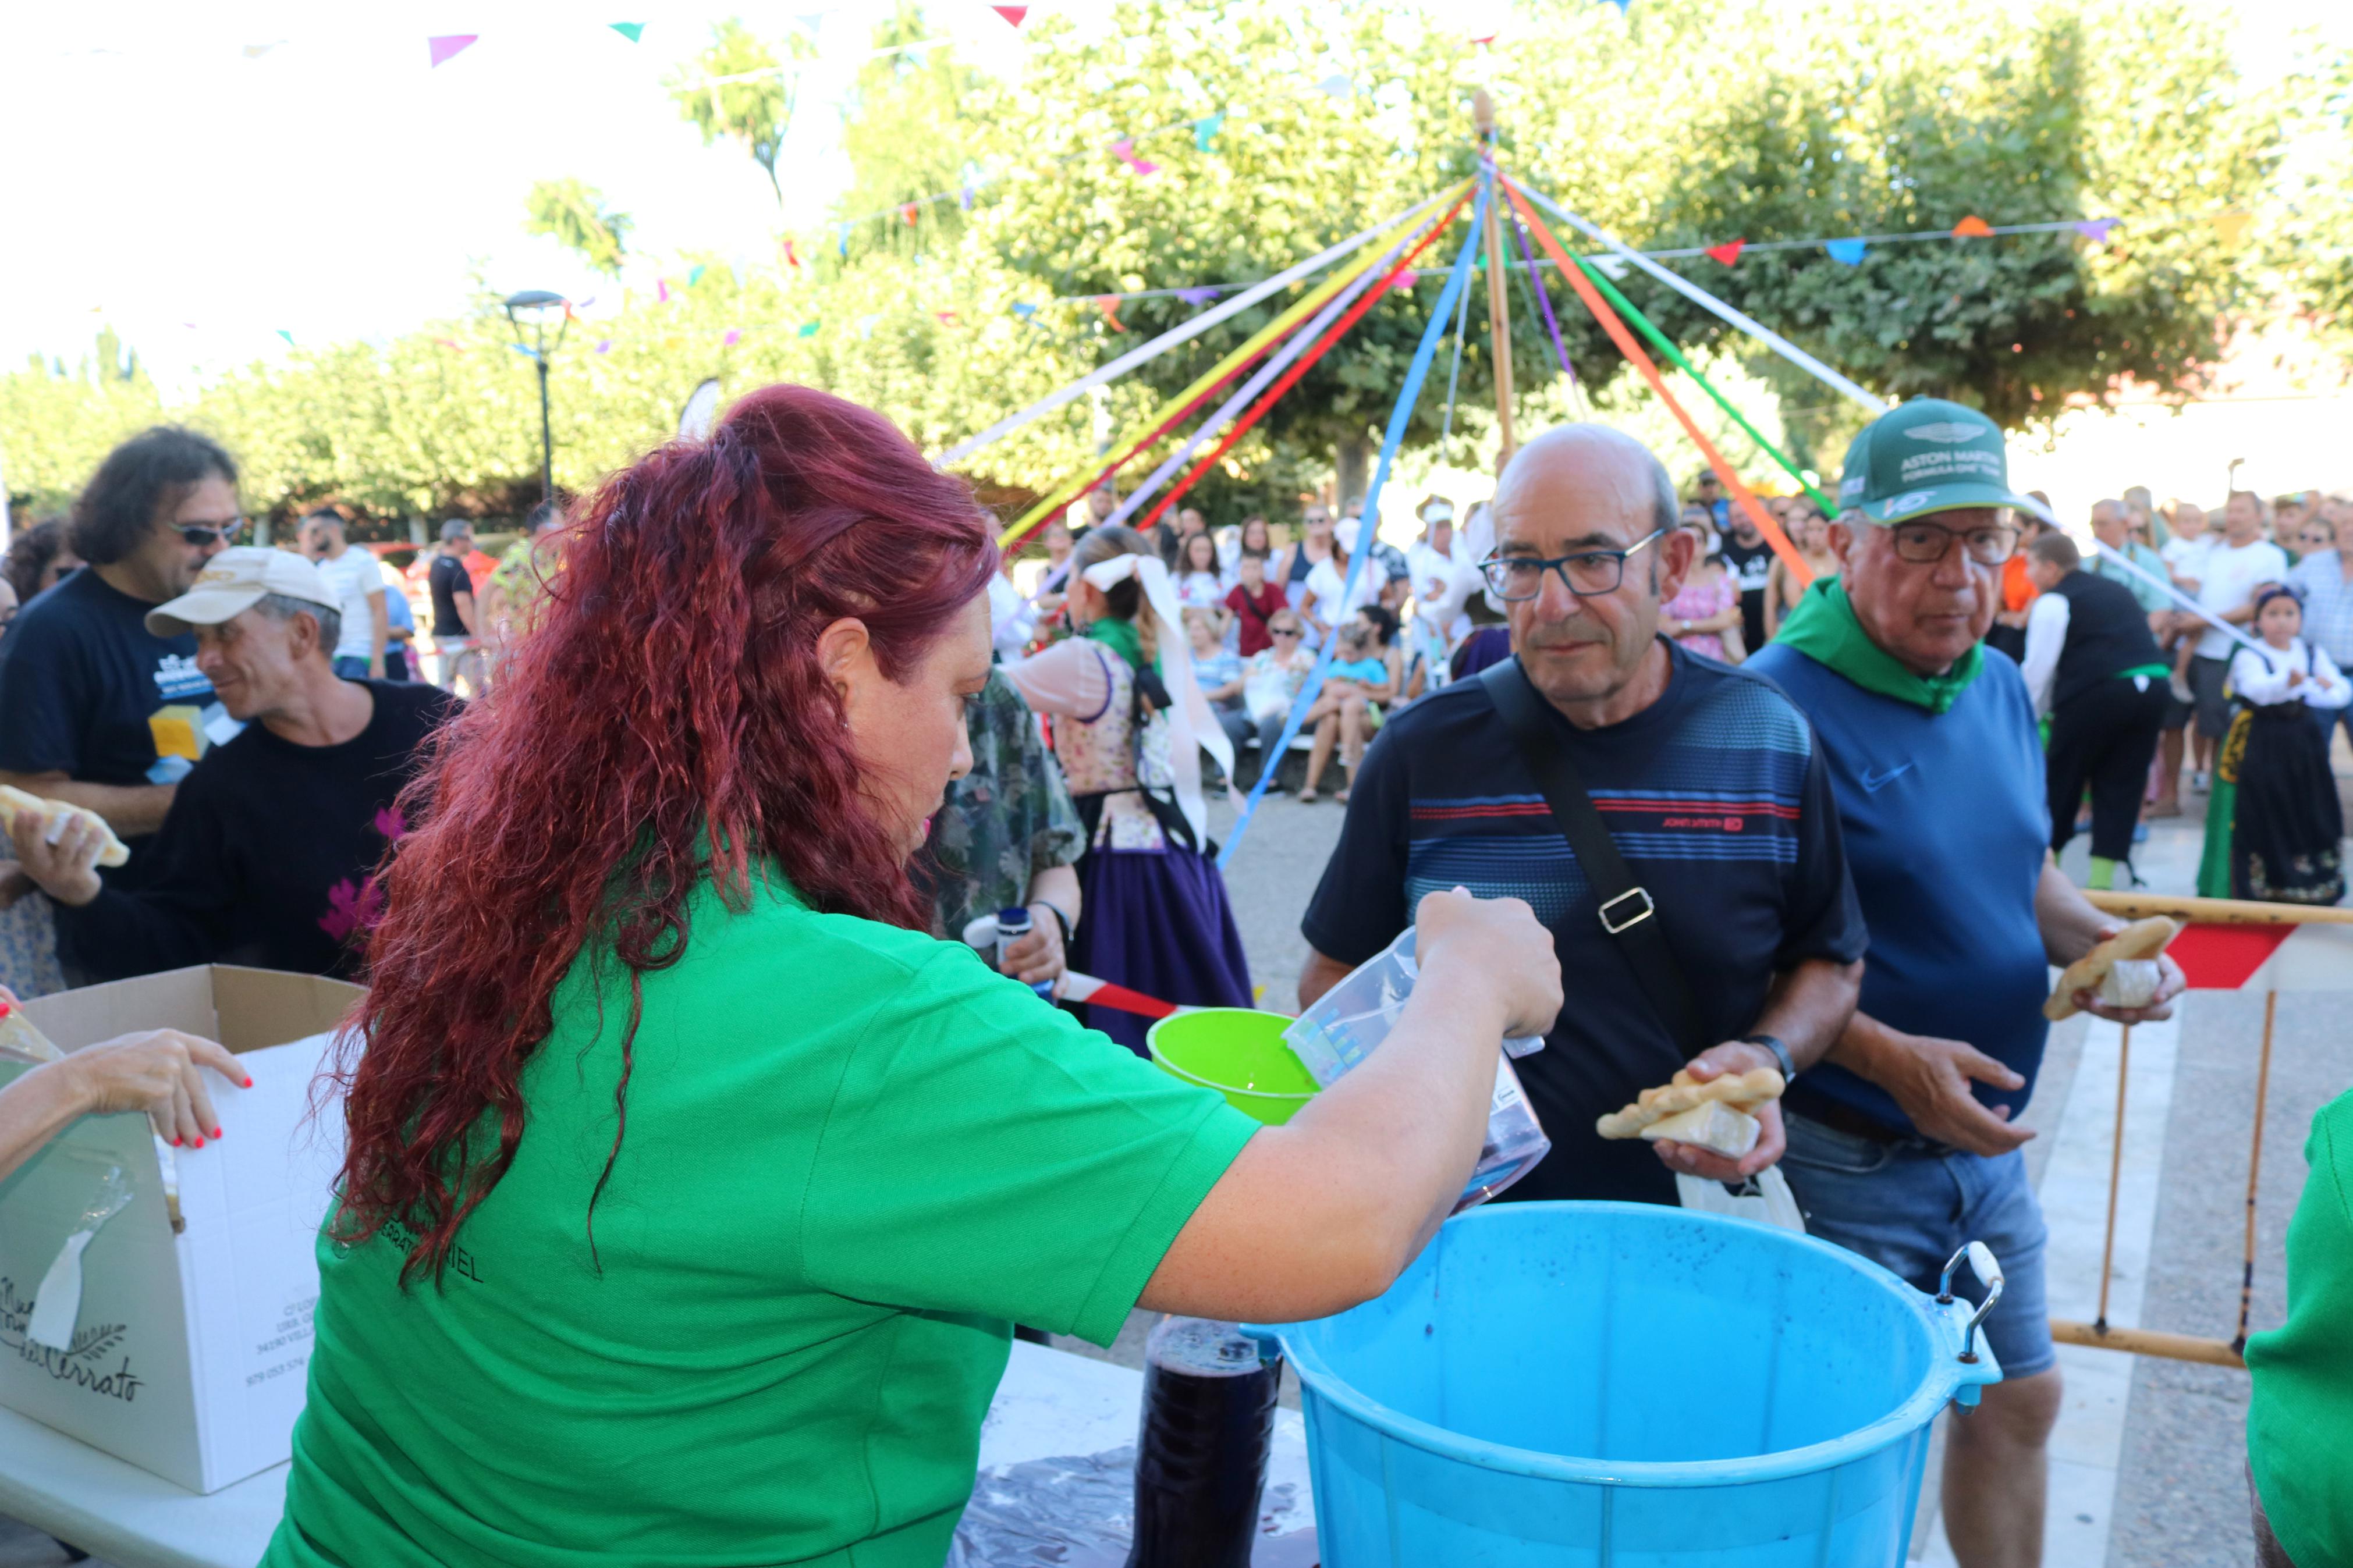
[
  {"x": 854, "y": 1156},
  {"x": 2300, "y": 1374}
]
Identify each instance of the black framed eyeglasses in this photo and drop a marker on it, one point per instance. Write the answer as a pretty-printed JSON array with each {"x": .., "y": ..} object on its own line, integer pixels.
[
  {"x": 1588, "y": 574},
  {"x": 1925, "y": 543},
  {"x": 211, "y": 533},
  {"x": 1283, "y": 631}
]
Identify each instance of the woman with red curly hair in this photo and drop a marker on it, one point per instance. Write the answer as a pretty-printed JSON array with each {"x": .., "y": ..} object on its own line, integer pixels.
[{"x": 691, "y": 1185}]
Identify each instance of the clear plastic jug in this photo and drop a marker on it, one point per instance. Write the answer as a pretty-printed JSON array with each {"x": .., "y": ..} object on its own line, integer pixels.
[{"x": 1349, "y": 1021}]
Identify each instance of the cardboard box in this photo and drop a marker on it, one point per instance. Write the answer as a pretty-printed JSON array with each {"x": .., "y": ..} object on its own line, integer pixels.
[{"x": 188, "y": 1354}]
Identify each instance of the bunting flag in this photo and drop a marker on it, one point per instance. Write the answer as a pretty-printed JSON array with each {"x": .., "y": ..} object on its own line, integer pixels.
[
  {"x": 963, "y": 197},
  {"x": 2231, "y": 227},
  {"x": 1404, "y": 281},
  {"x": 1729, "y": 252},
  {"x": 662, "y": 291},
  {"x": 287, "y": 335},
  {"x": 807, "y": 330},
  {"x": 1486, "y": 42},
  {"x": 1125, "y": 150},
  {"x": 947, "y": 316},
  {"x": 447, "y": 46},
  {"x": 1025, "y": 311},
  {"x": 865, "y": 324},
  {"x": 1197, "y": 298},
  {"x": 694, "y": 274},
  {"x": 1205, "y": 131},
  {"x": 1845, "y": 252},
  {"x": 1336, "y": 87},
  {"x": 909, "y": 212},
  {"x": 1109, "y": 305},
  {"x": 841, "y": 240},
  {"x": 447, "y": 343},
  {"x": 1972, "y": 228},
  {"x": 604, "y": 345},
  {"x": 792, "y": 257},
  {"x": 2096, "y": 230},
  {"x": 1013, "y": 14},
  {"x": 731, "y": 338},
  {"x": 632, "y": 31}
]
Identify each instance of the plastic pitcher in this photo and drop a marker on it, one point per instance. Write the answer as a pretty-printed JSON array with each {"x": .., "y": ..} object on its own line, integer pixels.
[{"x": 1620, "y": 1383}]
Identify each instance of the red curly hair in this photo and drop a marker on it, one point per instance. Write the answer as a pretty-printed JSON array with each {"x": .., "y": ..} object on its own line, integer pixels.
[{"x": 666, "y": 723}]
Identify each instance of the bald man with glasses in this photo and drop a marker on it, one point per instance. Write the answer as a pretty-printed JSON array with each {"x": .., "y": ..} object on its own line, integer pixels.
[{"x": 1703, "y": 781}]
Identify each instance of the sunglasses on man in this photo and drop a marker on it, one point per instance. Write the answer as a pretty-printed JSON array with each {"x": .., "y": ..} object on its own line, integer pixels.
[{"x": 212, "y": 532}]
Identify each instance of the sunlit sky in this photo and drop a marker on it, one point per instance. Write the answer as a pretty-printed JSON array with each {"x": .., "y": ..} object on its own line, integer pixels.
[{"x": 204, "y": 175}]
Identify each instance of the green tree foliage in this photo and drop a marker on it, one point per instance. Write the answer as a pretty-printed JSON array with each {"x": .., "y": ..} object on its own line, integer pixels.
[
  {"x": 573, "y": 213},
  {"x": 1680, "y": 122},
  {"x": 738, "y": 90}
]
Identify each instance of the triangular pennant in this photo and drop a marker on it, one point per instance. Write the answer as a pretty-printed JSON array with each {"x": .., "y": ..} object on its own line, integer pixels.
[
  {"x": 808, "y": 330},
  {"x": 2231, "y": 227},
  {"x": 1197, "y": 297},
  {"x": 694, "y": 274},
  {"x": 662, "y": 291},
  {"x": 2097, "y": 229},
  {"x": 810, "y": 22},
  {"x": 909, "y": 212},
  {"x": 792, "y": 257},
  {"x": 1205, "y": 130},
  {"x": 1972, "y": 228},
  {"x": 1125, "y": 150},
  {"x": 1025, "y": 311},
  {"x": 1109, "y": 305},
  {"x": 947, "y": 316},
  {"x": 604, "y": 345},
  {"x": 1845, "y": 252},
  {"x": 1485, "y": 42},
  {"x": 629, "y": 30},
  {"x": 287, "y": 335},
  {"x": 1729, "y": 252},
  {"x": 448, "y": 45},
  {"x": 841, "y": 240},
  {"x": 1013, "y": 14},
  {"x": 1336, "y": 87},
  {"x": 963, "y": 197},
  {"x": 731, "y": 338},
  {"x": 447, "y": 343},
  {"x": 1404, "y": 281}
]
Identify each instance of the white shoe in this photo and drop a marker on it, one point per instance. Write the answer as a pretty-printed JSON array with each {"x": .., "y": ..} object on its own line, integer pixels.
[{"x": 2198, "y": 780}]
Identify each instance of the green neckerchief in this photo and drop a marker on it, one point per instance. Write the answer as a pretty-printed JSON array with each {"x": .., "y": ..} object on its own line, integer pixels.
[
  {"x": 1824, "y": 629},
  {"x": 1121, "y": 636}
]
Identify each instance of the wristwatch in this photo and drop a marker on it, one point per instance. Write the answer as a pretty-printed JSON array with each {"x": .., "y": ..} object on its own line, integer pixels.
[{"x": 1780, "y": 1052}]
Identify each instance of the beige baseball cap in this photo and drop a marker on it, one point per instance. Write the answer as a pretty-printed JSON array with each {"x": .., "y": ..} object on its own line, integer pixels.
[{"x": 234, "y": 582}]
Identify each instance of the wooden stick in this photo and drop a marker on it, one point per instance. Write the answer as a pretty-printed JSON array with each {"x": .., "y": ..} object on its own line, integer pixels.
[
  {"x": 2115, "y": 1176},
  {"x": 1499, "y": 313},
  {"x": 2146, "y": 1341},
  {"x": 2218, "y": 911},
  {"x": 2254, "y": 1170}
]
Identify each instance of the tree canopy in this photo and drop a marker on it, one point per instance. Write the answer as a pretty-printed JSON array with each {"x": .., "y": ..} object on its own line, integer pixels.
[{"x": 1219, "y": 141}]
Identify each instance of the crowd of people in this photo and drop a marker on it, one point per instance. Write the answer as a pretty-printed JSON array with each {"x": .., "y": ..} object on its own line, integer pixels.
[{"x": 799, "y": 717}]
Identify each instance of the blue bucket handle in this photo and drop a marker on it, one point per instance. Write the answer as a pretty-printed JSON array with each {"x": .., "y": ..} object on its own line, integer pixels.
[{"x": 1988, "y": 1269}]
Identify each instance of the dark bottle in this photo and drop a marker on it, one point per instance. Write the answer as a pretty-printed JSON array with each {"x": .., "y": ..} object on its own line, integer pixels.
[{"x": 1200, "y": 1457}]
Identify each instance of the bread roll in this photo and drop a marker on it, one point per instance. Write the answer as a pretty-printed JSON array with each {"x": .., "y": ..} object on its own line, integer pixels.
[
  {"x": 2141, "y": 940},
  {"x": 14, "y": 800}
]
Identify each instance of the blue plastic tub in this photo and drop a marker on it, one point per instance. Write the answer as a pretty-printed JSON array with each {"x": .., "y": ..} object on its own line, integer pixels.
[{"x": 1622, "y": 1384}]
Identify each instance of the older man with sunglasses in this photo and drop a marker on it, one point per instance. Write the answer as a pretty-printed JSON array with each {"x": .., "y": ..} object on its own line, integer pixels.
[
  {"x": 1903, "y": 1146},
  {"x": 94, "y": 707},
  {"x": 1706, "y": 782}
]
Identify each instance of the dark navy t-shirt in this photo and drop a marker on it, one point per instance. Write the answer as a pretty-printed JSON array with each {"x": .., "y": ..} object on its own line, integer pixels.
[
  {"x": 1717, "y": 798},
  {"x": 1947, "y": 825}
]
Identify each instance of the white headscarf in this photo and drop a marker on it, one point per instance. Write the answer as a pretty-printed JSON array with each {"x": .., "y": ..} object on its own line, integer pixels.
[{"x": 1192, "y": 729}]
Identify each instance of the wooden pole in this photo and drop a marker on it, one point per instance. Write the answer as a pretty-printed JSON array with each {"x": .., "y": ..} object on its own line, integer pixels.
[
  {"x": 2115, "y": 1177},
  {"x": 2254, "y": 1170},
  {"x": 1499, "y": 316},
  {"x": 2146, "y": 1341},
  {"x": 2218, "y": 911}
]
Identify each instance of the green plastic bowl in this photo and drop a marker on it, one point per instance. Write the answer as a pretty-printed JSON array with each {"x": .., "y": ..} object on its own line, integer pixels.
[{"x": 1239, "y": 1052}]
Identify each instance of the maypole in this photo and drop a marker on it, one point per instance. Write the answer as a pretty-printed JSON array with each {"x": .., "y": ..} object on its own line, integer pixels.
[{"x": 1499, "y": 311}]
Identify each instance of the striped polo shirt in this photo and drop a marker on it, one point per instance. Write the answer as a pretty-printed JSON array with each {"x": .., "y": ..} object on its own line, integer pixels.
[{"x": 1715, "y": 795}]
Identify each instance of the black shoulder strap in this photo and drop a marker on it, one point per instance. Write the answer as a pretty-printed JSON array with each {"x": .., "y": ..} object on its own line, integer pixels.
[{"x": 1627, "y": 911}]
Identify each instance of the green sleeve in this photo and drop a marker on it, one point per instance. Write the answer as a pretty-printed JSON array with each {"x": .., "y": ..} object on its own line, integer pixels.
[
  {"x": 984, "y": 1153},
  {"x": 2300, "y": 1399}
]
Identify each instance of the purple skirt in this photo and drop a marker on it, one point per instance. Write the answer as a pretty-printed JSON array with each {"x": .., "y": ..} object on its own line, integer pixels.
[{"x": 1156, "y": 920}]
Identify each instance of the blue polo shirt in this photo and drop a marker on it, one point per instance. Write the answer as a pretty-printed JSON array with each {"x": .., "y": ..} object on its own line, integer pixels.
[
  {"x": 1945, "y": 825},
  {"x": 1717, "y": 797}
]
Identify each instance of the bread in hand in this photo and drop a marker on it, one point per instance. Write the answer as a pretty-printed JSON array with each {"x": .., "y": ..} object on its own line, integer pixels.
[
  {"x": 2142, "y": 940},
  {"x": 1739, "y": 1090},
  {"x": 115, "y": 852}
]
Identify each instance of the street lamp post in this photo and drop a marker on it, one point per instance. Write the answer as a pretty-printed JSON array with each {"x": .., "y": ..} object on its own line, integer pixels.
[{"x": 536, "y": 303}]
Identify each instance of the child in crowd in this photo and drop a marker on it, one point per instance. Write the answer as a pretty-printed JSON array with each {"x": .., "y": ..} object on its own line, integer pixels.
[
  {"x": 1345, "y": 710},
  {"x": 1254, "y": 601},
  {"x": 2280, "y": 824},
  {"x": 1199, "y": 584},
  {"x": 1217, "y": 672}
]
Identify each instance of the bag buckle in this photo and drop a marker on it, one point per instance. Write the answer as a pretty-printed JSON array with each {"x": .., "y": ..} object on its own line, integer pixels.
[{"x": 1617, "y": 927}]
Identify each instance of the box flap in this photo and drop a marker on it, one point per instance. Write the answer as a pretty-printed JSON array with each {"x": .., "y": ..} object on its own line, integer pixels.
[{"x": 244, "y": 1009}]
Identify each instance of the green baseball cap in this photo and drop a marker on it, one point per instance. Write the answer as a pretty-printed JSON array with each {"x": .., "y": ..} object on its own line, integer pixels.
[{"x": 1927, "y": 456}]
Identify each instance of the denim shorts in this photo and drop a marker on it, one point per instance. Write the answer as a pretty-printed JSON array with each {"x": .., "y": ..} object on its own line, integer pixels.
[{"x": 1911, "y": 1207}]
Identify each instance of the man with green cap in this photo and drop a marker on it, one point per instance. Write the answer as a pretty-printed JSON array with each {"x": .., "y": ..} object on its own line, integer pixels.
[{"x": 1903, "y": 1144}]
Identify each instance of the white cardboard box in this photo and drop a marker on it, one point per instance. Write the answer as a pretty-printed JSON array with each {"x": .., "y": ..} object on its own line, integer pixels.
[{"x": 189, "y": 1352}]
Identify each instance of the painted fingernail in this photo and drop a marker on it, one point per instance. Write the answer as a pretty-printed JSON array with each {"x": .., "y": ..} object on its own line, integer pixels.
[
  {"x": 199, "y": 1144},
  {"x": 247, "y": 1084},
  {"x": 217, "y": 1132},
  {"x": 175, "y": 1142}
]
